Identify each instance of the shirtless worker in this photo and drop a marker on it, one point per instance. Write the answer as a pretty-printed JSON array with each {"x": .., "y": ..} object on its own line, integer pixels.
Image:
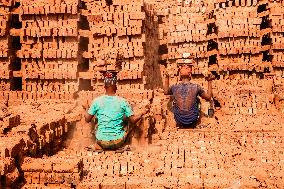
[
  {"x": 185, "y": 93},
  {"x": 112, "y": 112}
]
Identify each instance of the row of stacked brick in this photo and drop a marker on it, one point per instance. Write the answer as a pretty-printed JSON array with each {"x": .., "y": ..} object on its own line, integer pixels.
[
  {"x": 277, "y": 20},
  {"x": 48, "y": 45},
  {"x": 115, "y": 37},
  {"x": 245, "y": 93},
  {"x": 5, "y": 59},
  {"x": 242, "y": 30},
  {"x": 52, "y": 172},
  {"x": 220, "y": 35},
  {"x": 175, "y": 31},
  {"x": 180, "y": 31}
]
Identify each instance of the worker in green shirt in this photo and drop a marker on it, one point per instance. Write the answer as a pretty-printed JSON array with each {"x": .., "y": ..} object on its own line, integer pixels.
[{"x": 113, "y": 113}]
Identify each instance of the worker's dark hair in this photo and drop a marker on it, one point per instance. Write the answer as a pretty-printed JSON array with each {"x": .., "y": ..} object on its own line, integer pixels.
[{"x": 76, "y": 95}]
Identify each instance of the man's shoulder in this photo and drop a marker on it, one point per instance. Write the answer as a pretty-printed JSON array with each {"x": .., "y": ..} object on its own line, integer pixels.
[
  {"x": 193, "y": 84},
  {"x": 190, "y": 84},
  {"x": 116, "y": 99},
  {"x": 121, "y": 99},
  {"x": 174, "y": 85},
  {"x": 99, "y": 98},
  {"x": 196, "y": 84}
]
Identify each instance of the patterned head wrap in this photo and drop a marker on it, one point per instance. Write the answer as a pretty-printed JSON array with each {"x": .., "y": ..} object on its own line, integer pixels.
[{"x": 109, "y": 79}]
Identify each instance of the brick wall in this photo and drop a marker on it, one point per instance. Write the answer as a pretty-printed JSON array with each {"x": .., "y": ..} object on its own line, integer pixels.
[{"x": 51, "y": 49}]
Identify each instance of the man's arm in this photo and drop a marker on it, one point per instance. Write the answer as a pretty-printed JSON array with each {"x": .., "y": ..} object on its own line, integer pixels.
[
  {"x": 75, "y": 105},
  {"x": 88, "y": 117},
  {"x": 207, "y": 96},
  {"x": 135, "y": 118},
  {"x": 166, "y": 85},
  {"x": 90, "y": 114}
]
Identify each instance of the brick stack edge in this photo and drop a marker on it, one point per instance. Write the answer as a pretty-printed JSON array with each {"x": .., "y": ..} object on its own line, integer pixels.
[{"x": 36, "y": 137}]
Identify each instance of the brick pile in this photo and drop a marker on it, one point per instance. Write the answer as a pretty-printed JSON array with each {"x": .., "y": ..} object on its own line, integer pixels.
[
  {"x": 5, "y": 59},
  {"x": 48, "y": 64},
  {"x": 236, "y": 38},
  {"x": 232, "y": 155},
  {"x": 55, "y": 171},
  {"x": 41, "y": 131},
  {"x": 49, "y": 46},
  {"x": 240, "y": 34},
  {"x": 18, "y": 97},
  {"x": 179, "y": 31},
  {"x": 115, "y": 33},
  {"x": 12, "y": 154},
  {"x": 248, "y": 94},
  {"x": 277, "y": 19},
  {"x": 52, "y": 48},
  {"x": 47, "y": 133},
  {"x": 242, "y": 150}
]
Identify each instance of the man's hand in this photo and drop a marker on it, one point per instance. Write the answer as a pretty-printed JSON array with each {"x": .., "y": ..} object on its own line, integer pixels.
[
  {"x": 85, "y": 106},
  {"x": 167, "y": 82},
  {"x": 135, "y": 118},
  {"x": 167, "y": 75},
  {"x": 169, "y": 72},
  {"x": 146, "y": 109},
  {"x": 208, "y": 75},
  {"x": 88, "y": 117}
]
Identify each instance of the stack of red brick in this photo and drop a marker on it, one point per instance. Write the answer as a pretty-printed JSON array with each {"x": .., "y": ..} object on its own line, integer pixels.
[
  {"x": 115, "y": 32},
  {"x": 55, "y": 171},
  {"x": 245, "y": 93},
  {"x": 18, "y": 97},
  {"x": 174, "y": 32},
  {"x": 34, "y": 137},
  {"x": 277, "y": 21},
  {"x": 240, "y": 35},
  {"x": 178, "y": 31},
  {"x": 191, "y": 160},
  {"x": 49, "y": 46},
  {"x": 5, "y": 59},
  {"x": 45, "y": 134}
]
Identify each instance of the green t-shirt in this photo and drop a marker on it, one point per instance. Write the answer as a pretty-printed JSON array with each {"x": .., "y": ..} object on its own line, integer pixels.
[{"x": 110, "y": 111}]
